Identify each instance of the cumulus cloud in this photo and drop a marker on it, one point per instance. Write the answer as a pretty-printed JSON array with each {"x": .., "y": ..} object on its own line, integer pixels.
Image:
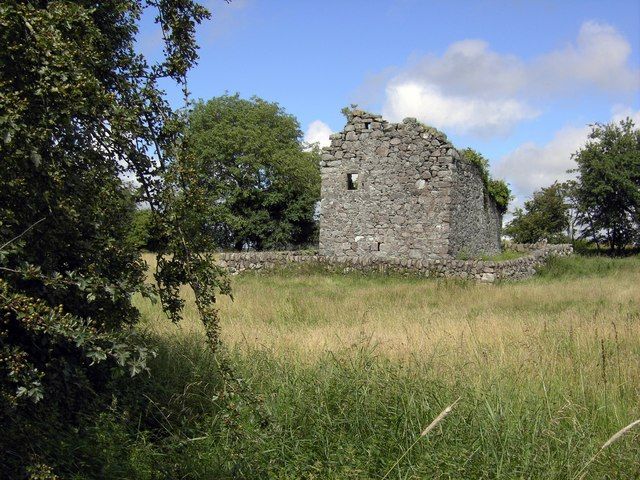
[
  {"x": 599, "y": 58},
  {"x": 469, "y": 67},
  {"x": 531, "y": 166},
  {"x": 484, "y": 117},
  {"x": 473, "y": 89},
  {"x": 470, "y": 89},
  {"x": 318, "y": 132}
]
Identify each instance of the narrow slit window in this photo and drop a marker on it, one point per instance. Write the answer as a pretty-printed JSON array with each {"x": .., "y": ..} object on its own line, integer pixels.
[
  {"x": 379, "y": 245},
  {"x": 352, "y": 181}
]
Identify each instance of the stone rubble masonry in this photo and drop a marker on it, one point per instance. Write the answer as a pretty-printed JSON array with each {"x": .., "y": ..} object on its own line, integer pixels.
[
  {"x": 416, "y": 198},
  {"x": 479, "y": 270}
]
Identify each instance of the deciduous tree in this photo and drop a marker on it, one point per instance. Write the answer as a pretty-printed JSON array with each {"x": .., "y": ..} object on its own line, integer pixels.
[
  {"x": 79, "y": 110},
  {"x": 607, "y": 191},
  {"x": 262, "y": 181},
  {"x": 545, "y": 216}
]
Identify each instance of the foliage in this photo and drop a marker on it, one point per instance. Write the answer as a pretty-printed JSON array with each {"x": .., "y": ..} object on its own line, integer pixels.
[
  {"x": 545, "y": 216},
  {"x": 263, "y": 185},
  {"x": 140, "y": 234},
  {"x": 499, "y": 190},
  {"x": 476, "y": 158},
  {"x": 504, "y": 255},
  {"x": 347, "y": 112},
  {"x": 496, "y": 188},
  {"x": 144, "y": 233},
  {"x": 587, "y": 266},
  {"x": 348, "y": 405},
  {"x": 607, "y": 192},
  {"x": 79, "y": 110},
  {"x": 188, "y": 419}
]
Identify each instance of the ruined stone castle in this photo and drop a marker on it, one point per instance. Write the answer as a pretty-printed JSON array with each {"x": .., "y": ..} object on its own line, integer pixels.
[
  {"x": 400, "y": 198},
  {"x": 402, "y": 191}
]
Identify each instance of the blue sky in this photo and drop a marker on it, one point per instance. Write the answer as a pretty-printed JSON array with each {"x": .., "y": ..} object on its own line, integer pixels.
[{"x": 517, "y": 80}]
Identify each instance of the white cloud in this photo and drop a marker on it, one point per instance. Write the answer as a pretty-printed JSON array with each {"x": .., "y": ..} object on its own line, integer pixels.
[
  {"x": 469, "y": 67},
  {"x": 476, "y": 115},
  {"x": 318, "y": 132},
  {"x": 530, "y": 166},
  {"x": 620, "y": 112},
  {"x": 599, "y": 58},
  {"x": 472, "y": 89}
]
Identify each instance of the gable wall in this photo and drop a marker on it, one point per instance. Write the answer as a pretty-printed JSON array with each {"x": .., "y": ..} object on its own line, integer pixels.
[{"x": 405, "y": 174}]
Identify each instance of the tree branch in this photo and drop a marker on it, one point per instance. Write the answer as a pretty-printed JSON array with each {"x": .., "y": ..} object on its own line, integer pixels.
[{"x": 20, "y": 235}]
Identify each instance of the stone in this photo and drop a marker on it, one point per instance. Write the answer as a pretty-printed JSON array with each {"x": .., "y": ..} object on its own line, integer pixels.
[
  {"x": 413, "y": 213},
  {"x": 382, "y": 151}
]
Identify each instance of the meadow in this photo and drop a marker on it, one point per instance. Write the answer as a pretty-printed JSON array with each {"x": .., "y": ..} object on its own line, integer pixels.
[{"x": 334, "y": 376}]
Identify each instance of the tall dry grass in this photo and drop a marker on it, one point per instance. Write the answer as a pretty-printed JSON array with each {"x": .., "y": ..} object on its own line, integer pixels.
[
  {"x": 547, "y": 368},
  {"x": 582, "y": 329}
]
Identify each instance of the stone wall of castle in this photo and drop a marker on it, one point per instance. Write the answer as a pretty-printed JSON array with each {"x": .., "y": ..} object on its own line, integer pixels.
[
  {"x": 388, "y": 191},
  {"x": 398, "y": 206},
  {"x": 475, "y": 221}
]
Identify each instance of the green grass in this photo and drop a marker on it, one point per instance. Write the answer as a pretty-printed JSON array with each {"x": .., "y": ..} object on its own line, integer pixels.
[
  {"x": 329, "y": 376},
  {"x": 588, "y": 266},
  {"x": 499, "y": 257},
  {"x": 504, "y": 255},
  {"x": 351, "y": 416},
  {"x": 346, "y": 370}
]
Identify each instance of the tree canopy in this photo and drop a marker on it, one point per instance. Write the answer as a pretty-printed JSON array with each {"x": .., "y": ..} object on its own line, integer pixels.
[
  {"x": 545, "y": 216},
  {"x": 607, "y": 193},
  {"x": 261, "y": 180}
]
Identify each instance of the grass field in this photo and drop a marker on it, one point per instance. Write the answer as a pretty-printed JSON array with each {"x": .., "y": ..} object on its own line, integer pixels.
[{"x": 337, "y": 375}]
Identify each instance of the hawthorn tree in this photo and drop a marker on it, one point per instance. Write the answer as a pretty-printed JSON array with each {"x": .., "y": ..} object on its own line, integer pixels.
[
  {"x": 79, "y": 111},
  {"x": 262, "y": 182}
]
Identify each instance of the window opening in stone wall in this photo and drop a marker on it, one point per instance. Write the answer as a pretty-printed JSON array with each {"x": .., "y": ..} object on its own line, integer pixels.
[
  {"x": 367, "y": 125},
  {"x": 352, "y": 181},
  {"x": 379, "y": 245}
]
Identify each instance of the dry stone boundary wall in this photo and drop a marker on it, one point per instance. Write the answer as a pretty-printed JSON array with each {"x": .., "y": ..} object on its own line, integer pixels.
[{"x": 480, "y": 270}]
